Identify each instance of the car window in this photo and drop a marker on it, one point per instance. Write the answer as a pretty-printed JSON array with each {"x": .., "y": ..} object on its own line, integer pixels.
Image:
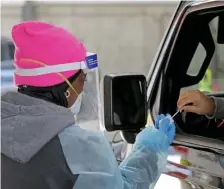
[{"x": 213, "y": 80}]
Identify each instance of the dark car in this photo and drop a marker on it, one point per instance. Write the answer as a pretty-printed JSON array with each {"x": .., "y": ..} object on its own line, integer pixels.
[{"x": 193, "y": 44}]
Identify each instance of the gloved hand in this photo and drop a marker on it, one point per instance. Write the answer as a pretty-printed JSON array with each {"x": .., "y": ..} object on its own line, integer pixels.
[
  {"x": 149, "y": 155},
  {"x": 159, "y": 137},
  {"x": 165, "y": 125}
]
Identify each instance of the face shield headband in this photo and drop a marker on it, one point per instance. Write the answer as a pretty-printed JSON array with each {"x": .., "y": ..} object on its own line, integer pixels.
[{"x": 89, "y": 65}]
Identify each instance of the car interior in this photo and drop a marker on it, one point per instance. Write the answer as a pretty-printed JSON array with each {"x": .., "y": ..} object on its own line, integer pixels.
[{"x": 197, "y": 46}]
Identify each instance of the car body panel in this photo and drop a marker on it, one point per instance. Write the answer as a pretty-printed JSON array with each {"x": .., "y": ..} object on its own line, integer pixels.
[{"x": 195, "y": 167}]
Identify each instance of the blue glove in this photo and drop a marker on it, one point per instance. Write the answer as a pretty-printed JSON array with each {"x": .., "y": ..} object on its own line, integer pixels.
[
  {"x": 149, "y": 156},
  {"x": 165, "y": 125}
]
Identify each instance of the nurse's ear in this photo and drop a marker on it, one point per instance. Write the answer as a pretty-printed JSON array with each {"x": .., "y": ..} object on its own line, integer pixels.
[{"x": 71, "y": 96}]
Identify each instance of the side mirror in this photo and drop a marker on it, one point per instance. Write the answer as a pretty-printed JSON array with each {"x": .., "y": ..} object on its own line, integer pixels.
[{"x": 125, "y": 102}]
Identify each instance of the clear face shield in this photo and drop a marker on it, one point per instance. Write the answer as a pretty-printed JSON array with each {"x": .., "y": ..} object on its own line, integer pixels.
[
  {"x": 89, "y": 116},
  {"x": 90, "y": 111}
]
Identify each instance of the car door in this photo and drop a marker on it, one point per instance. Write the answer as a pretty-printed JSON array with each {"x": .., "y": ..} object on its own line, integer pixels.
[
  {"x": 181, "y": 63},
  {"x": 160, "y": 71}
]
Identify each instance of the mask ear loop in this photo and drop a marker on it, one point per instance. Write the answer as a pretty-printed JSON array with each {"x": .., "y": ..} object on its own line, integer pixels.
[{"x": 58, "y": 73}]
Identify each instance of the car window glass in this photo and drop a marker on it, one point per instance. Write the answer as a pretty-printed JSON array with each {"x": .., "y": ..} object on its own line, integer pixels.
[
  {"x": 197, "y": 61},
  {"x": 213, "y": 80}
]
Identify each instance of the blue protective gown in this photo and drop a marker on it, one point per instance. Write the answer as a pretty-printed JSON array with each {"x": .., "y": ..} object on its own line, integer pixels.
[{"x": 90, "y": 155}]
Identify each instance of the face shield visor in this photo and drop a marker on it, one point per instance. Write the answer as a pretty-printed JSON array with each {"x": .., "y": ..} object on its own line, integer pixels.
[{"x": 89, "y": 116}]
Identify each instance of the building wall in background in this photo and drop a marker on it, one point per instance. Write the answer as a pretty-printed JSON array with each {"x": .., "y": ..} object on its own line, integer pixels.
[{"x": 125, "y": 36}]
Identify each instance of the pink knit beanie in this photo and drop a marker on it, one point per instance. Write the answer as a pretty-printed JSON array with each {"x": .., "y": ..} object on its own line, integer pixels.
[{"x": 39, "y": 45}]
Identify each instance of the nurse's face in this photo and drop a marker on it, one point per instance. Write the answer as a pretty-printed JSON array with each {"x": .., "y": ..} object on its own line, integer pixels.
[{"x": 78, "y": 85}]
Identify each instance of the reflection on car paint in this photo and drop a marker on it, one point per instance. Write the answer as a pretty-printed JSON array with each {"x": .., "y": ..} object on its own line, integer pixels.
[{"x": 199, "y": 169}]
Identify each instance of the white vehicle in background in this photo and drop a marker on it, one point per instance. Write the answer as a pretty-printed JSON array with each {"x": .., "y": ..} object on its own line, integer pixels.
[{"x": 7, "y": 67}]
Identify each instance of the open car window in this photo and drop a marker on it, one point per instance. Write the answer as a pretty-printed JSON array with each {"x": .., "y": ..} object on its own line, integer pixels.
[{"x": 213, "y": 80}]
